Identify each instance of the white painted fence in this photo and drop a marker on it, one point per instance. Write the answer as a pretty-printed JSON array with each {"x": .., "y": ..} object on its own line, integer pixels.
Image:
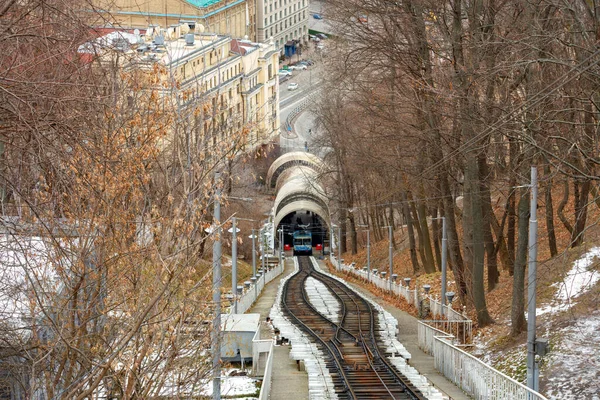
[
  {"x": 461, "y": 327},
  {"x": 250, "y": 294},
  {"x": 265, "y": 389},
  {"x": 476, "y": 378}
]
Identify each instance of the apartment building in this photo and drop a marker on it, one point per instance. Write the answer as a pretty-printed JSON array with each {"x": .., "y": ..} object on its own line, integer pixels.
[
  {"x": 225, "y": 17},
  {"x": 238, "y": 78},
  {"x": 285, "y": 21}
]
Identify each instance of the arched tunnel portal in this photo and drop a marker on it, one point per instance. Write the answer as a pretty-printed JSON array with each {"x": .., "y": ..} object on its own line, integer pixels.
[{"x": 300, "y": 203}]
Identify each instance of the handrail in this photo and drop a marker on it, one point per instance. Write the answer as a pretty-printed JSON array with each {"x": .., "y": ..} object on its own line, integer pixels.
[{"x": 476, "y": 381}]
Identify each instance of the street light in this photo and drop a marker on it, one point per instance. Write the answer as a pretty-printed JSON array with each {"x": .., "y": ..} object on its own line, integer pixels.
[
  {"x": 234, "y": 230},
  {"x": 339, "y": 244},
  {"x": 444, "y": 259},
  {"x": 391, "y": 261},
  {"x": 216, "y": 288},
  {"x": 253, "y": 237},
  {"x": 368, "y": 250}
]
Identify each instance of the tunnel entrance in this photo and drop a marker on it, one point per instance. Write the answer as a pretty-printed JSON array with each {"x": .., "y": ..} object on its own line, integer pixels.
[{"x": 305, "y": 220}]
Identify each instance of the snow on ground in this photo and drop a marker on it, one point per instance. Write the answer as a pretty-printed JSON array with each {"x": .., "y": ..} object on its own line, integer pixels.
[
  {"x": 238, "y": 387},
  {"x": 234, "y": 386},
  {"x": 571, "y": 370},
  {"x": 323, "y": 299},
  {"x": 388, "y": 330},
  {"x": 579, "y": 280},
  {"x": 320, "y": 383},
  {"x": 574, "y": 361}
]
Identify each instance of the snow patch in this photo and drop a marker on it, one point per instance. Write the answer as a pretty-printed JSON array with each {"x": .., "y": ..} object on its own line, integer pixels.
[
  {"x": 579, "y": 280},
  {"x": 576, "y": 357},
  {"x": 323, "y": 299},
  {"x": 320, "y": 383},
  {"x": 388, "y": 326}
]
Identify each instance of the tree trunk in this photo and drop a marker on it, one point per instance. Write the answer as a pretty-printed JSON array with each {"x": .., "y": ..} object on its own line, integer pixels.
[
  {"x": 454, "y": 253},
  {"x": 561, "y": 207},
  {"x": 411, "y": 233},
  {"x": 436, "y": 233},
  {"x": 477, "y": 241},
  {"x": 430, "y": 265},
  {"x": 512, "y": 217},
  {"x": 417, "y": 226},
  {"x": 517, "y": 314},
  {"x": 550, "y": 213},
  {"x": 353, "y": 238},
  {"x": 392, "y": 224},
  {"x": 488, "y": 213},
  {"x": 582, "y": 190}
]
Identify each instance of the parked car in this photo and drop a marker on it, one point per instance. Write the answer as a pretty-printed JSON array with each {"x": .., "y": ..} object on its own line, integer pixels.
[
  {"x": 293, "y": 86},
  {"x": 285, "y": 72},
  {"x": 310, "y": 62},
  {"x": 321, "y": 36},
  {"x": 317, "y": 16},
  {"x": 298, "y": 67},
  {"x": 320, "y": 47}
]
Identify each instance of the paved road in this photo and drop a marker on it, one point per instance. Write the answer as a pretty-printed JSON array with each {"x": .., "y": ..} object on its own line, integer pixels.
[{"x": 308, "y": 82}]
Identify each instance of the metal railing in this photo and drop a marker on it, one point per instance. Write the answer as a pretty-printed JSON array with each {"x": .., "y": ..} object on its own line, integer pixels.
[
  {"x": 441, "y": 338},
  {"x": 476, "y": 378},
  {"x": 265, "y": 389},
  {"x": 297, "y": 110},
  {"x": 250, "y": 295},
  {"x": 456, "y": 324}
]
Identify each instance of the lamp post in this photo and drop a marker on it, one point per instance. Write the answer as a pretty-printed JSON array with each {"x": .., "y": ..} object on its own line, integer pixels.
[
  {"x": 216, "y": 288},
  {"x": 532, "y": 370},
  {"x": 253, "y": 237},
  {"x": 234, "y": 230},
  {"x": 368, "y": 250},
  {"x": 391, "y": 255},
  {"x": 444, "y": 260},
  {"x": 280, "y": 245}
]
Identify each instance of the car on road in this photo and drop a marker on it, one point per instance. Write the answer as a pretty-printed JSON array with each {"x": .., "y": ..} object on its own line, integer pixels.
[
  {"x": 293, "y": 86},
  {"x": 285, "y": 72},
  {"x": 317, "y": 16}
]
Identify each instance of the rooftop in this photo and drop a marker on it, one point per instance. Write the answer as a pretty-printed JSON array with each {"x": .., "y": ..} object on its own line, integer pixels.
[{"x": 202, "y": 3}]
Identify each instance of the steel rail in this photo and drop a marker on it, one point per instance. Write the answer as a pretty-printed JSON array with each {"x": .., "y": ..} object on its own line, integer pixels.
[
  {"x": 338, "y": 364},
  {"x": 377, "y": 362},
  {"x": 377, "y": 355}
]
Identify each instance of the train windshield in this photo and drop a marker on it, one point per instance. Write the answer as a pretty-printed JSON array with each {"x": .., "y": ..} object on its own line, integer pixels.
[{"x": 302, "y": 241}]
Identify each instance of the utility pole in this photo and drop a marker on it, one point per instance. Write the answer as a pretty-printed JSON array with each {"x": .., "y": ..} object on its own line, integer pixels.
[
  {"x": 264, "y": 250},
  {"x": 368, "y": 255},
  {"x": 339, "y": 247},
  {"x": 234, "y": 262},
  {"x": 390, "y": 233},
  {"x": 444, "y": 261},
  {"x": 532, "y": 372},
  {"x": 216, "y": 287},
  {"x": 254, "y": 252},
  {"x": 280, "y": 246}
]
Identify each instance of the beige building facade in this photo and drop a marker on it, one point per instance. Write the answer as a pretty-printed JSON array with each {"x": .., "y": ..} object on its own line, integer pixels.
[
  {"x": 235, "y": 80},
  {"x": 226, "y": 17},
  {"x": 282, "y": 20}
]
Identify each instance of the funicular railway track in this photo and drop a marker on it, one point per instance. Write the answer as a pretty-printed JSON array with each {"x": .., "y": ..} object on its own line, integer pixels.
[{"x": 358, "y": 367}]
